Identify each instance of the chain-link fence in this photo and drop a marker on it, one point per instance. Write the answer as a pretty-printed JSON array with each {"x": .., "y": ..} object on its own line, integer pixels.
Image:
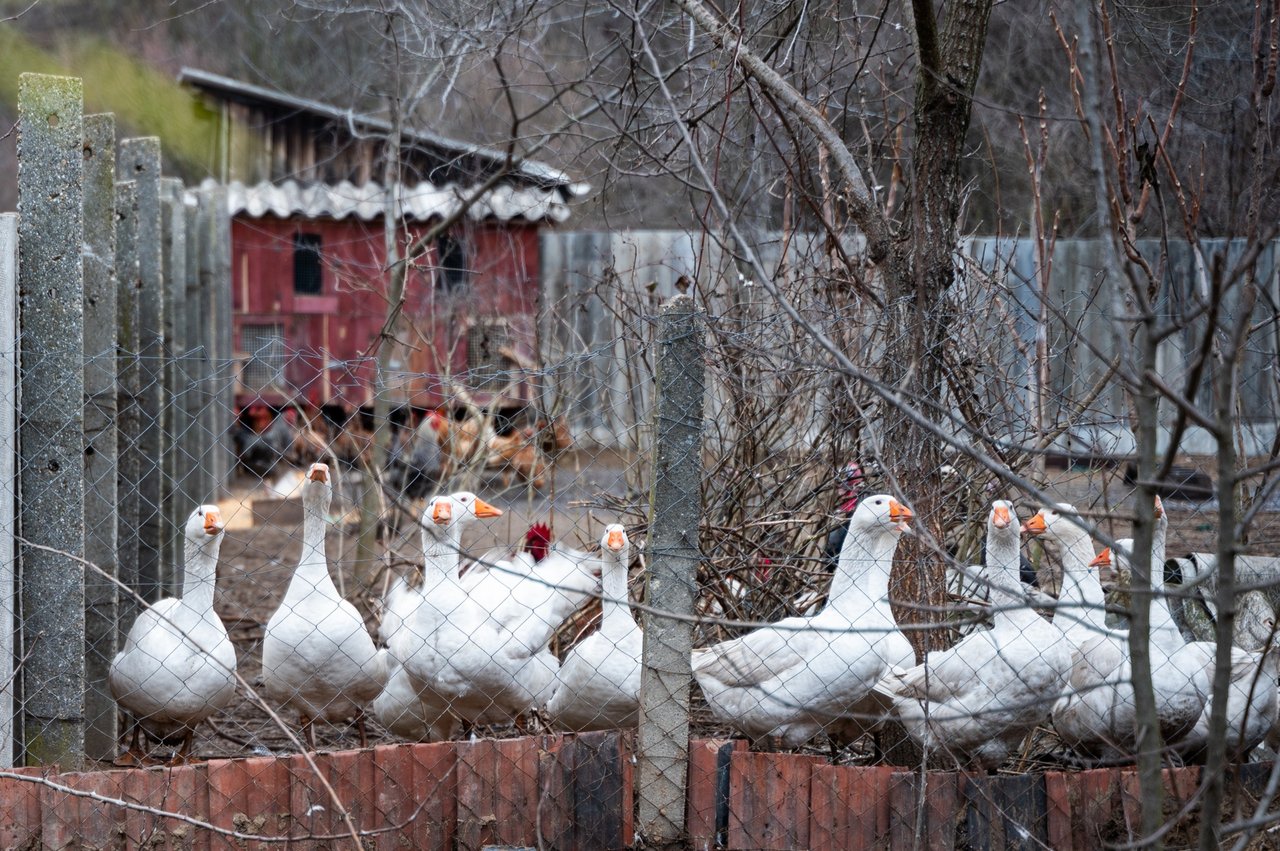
[{"x": 576, "y": 573}]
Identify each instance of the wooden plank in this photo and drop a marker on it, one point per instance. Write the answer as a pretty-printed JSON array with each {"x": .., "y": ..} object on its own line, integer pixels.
[
  {"x": 184, "y": 789},
  {"x": 705, "y": 757},
  {"x": 1094, "y": 805},
  {"x": 435, "y": 782},
  {"x": 497, "y": 792},
  {"x": 20, "y": 817},
  {"x": 940, "y": 814},
  {"x": 849, "y": 807},
  {"x": 556, "y": 804},
  {"x": 1058, "y": 827},
  {"x": 1004, "y": 812},
  {"x": 769, "y": 800},
  {"x": 602, "y": 802}
]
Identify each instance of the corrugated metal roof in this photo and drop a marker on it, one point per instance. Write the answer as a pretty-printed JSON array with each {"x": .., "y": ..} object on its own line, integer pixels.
[
  {"x": 421, "y": 202},
  {"x": 530, "y": 170}
]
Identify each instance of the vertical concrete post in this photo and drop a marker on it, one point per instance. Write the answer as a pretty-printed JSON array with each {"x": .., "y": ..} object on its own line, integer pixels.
[
  {"x": 194, "y": 443},
  {"x": 100, "y": 504},
  {"x": 219, "y": 306},
  {"x": 8, "y": 474},
  {"x": 51, "y": 433},
  {"x": 128, "y": 466},
  {"x": 139, "y": 161},
  {"x": 672, "y": 547},
  {"x": 175, "y": 465}
]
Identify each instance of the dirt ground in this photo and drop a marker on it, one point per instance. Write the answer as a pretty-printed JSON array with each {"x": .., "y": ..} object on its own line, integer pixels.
[{"x": 257, "y": 561}]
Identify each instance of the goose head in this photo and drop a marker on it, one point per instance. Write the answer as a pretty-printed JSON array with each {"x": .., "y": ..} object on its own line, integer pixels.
[
  {"x": 1002, "y": 526},
  {"x": 1058, "y": 523},
  {"x": 204, "y": 524},
  {"x": 882, "y": 512},
  {"x": 456, "y": 509},
  {"x": 317, "y": 490},
  {"x": 615, "y": 540}
]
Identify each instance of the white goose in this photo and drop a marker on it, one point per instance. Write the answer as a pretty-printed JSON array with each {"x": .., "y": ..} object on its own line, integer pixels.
[
  {"x": 795, "y": 677},
  {"x": 1251, "y": 700},
  {"x": 400, "y": 708},
  {"x": 530, "y": 597},
  {"x": 978, "y": 699},
  {"x": 454, "y": 653},
  {"x": 1081, "y": 613},
  {"x": 598, "y": 686},
  {"x": 178, "y": 664},
  {"x": 317, "y": 657},
  {"x": 1097, "y": 718}
]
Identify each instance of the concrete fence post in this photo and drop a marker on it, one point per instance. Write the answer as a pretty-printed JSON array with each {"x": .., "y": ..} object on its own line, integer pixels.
[
  {"x": 673, "y": 555},
  {"x": 215, "y": 286},
  {"x": 139, "y": 161},
  {"x": 128, "y": 466},
  {"x": 8, "y": 474},
  {"x": 51, "y": 433},
  {"x": 100, "y": 502},
  {"x": 194, "y": 443},
  {"x": 175, "y": 466}
]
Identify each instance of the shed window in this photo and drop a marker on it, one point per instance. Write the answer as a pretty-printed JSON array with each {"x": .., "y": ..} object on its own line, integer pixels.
[
  {"x": 488, "y": 366},
  {"x": 451, "y": 258},
  {"x": 306, "y": 264},
  {"x": 264, "y": 364}
]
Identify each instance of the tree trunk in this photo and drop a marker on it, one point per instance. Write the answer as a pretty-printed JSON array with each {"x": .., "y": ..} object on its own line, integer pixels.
[{"x": 917, "y": 276}]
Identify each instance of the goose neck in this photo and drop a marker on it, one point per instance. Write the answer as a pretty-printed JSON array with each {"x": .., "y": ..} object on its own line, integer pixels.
[
  {"x": 199, "y": 575},
  {"x": 1081, "y": 588},
  {"x": 1003, "y": 572},
  {"x": 861, "y": 581},
  {"x": 613, "y": 587}
]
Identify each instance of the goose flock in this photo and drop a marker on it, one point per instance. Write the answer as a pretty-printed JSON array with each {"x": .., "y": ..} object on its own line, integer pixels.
[{"x": 471, "y": 646}]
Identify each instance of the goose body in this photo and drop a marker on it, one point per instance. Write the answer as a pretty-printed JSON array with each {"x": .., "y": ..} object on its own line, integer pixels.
[
  {"x": 794, "y": 678},
  {"x": 178, "y": 665},
  {"x": 1251, "y": 696},
  {"x": 978, "y": 699},
  {"x": 453, "y": 650},
  {"x": 400, "y": 708},
  {"x": 598, "y": 684},
  {"x": 318, "y": 658},
  {"x": 529, "y": 597},
  {"x": 1098, "y": 717}
]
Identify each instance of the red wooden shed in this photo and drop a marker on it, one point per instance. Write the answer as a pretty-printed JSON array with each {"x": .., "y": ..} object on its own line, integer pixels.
[{"x": 309, "y": 255}]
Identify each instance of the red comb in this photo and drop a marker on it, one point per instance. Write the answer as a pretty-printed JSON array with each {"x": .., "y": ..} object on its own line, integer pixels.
[{"x": 537, "y": 541}]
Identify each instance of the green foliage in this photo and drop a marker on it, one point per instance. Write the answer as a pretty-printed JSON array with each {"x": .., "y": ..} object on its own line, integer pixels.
[{"x": 144, "y": 100}]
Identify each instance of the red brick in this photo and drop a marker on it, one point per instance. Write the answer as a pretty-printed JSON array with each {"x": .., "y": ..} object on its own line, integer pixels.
[
  {"x": 941, "y": 812},
  {"x": 1057, "y": 793}
]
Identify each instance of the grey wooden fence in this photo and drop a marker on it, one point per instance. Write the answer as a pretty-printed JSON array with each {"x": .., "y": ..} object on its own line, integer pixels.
[{"x": 599, "y": 287}]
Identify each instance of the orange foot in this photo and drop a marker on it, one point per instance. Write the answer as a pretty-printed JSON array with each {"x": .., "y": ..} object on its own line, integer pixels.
[{"x": 130, "y": 759}]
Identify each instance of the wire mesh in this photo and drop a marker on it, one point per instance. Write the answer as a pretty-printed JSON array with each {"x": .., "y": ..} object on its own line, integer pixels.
[{"x": 467, "y": 569}]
